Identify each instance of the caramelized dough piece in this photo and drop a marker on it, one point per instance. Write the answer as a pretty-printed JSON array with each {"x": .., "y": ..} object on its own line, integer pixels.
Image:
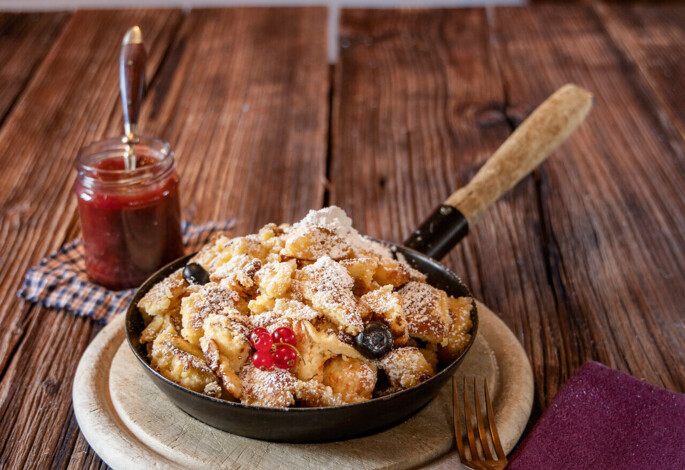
[
  {"x": 231, "y": 337},
  {"x": 316, "y": 348},
  {"x": 165, "y": 296},
  {"x": 431, "y": 357},
  {"x": 213, "y": 252},
  {"x": 167, "y": 322},
  {"x": 221, "y": 249},
  {"x": 311, "y": 242},
  {"x": 391, "y": 272},
  {"x": 232, "y": 386},
  {"x": 459, "y": 336},
  {"x": 178, "y": 360},
  {"x": 271, "y": 237},
  {"x": 426, "y": 311},
  {"x": 313, "y": 393},
  {"x": 273, "y": 388},
  {"x": 261, "y": 304},
  {"x": 239, "y": 275},
  {"x": 362, "y": 271},
  {"x": 274, "y": 278},
  {"x": 385, "y": 306},
  {"x": 284, "y": 309},
  {"x": 210, "y": 299},
  {"x": 328, "y": 286},
  {"x": 406, "y": 367},
  {"x": 353, "y": 379}
]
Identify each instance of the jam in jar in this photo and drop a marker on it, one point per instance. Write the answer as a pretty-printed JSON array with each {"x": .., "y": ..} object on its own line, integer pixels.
[{"x": 130, "y": 218}]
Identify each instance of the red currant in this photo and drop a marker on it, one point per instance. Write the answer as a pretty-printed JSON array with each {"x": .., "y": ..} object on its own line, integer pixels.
[
  {"x": 263, "y": 360},
  {"x": 284, "y": 335},
  {"x": 285, "y": 357},
  {"x": 259, "y": 331},
  {"x": 262, "y": 342}
]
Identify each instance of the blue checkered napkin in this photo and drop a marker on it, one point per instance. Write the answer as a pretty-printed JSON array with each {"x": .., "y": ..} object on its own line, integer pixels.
[{"x": 60, "y": 280}]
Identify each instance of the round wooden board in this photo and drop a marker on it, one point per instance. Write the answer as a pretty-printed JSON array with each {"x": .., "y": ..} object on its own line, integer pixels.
[{"x": 131, "y": 424}]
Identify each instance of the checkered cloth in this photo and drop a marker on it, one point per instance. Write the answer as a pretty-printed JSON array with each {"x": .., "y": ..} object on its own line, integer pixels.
[{"x": 60, "y": 280}]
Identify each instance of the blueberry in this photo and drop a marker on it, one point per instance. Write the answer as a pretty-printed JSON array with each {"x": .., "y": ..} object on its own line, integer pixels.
[
  {"x": 193, "y": 273},
  {"x": 375, "y": 341}
]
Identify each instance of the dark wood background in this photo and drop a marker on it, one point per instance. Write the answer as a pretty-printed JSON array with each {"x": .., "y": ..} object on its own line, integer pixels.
[{"x": 583, "y": 260}]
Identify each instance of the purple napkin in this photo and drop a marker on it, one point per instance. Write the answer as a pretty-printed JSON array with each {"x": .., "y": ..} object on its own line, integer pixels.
[{"x": 605, "y": 419}]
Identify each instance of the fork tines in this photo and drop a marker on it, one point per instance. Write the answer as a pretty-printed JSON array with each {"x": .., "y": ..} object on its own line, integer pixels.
[{"x": 486, "y": 430}]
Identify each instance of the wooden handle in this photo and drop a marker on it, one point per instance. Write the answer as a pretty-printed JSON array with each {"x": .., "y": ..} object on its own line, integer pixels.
[
  {"x": 528, "y": 146},
  {"x": 132, "y": 76}
]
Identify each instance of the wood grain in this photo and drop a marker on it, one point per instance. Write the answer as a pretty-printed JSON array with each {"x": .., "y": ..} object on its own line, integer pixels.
[
  {"x": 584, "y": 260},
  {"x": 419, "y": 106},
  {"x": 652, "y": 38},
  {"x": 66, "y": 104},
  {"x": 25, "y": 39},
  {"x": 611, "y": 205},
  {"x": 246, "y": 113},
  {"x": 283, "y": 102}
]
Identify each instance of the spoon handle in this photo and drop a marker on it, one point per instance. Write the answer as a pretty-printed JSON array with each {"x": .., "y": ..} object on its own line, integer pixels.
[{"x": 132, "y": 78}]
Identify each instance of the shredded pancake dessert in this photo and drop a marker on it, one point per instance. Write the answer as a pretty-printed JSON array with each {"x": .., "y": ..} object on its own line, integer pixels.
[{"x": 308, "y": 315}]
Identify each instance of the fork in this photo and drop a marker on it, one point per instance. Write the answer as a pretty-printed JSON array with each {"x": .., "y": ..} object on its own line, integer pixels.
[{"x": 489, "y": 461}]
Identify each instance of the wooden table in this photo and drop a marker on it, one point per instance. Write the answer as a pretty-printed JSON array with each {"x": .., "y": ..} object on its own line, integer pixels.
[{"x": 585, "y": 259}]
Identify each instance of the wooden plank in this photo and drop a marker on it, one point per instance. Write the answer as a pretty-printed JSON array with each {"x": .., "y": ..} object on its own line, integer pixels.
[
  {"x": 25, "y": 39},
  {"x": 243, "y": 99},
  {"x": 418, "y": 107},
  {"x": 611, "y": 200},
  {"x": 68, "y": 103},
  {"x": 653, "y": 38},
  {"x": 239, "y": 91}
]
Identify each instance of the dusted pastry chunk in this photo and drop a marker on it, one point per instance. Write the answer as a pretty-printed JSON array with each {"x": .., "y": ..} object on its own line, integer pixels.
[
  {"x": 178, "y": 360},
  {"x": 328, "y": 286},
  {"x": 165, "y": 296},
  {"x": 406, "y": 367},
  {"x": 272, "y": 388},
  {"x": 458, "y": 336},
  {"x": 362, "y": 271},
  {"x": 391, "y": 272},
  {"x": 426, "y": 311},
  {"x": 210, "y": 299},
  {"x": 312, "y": 393},
  {"x": 385, "y": 306},
  {"x": 312, "y": 242},
  {"x": 231, "y": 337},
  {"x": 239, "y": 274},
  {"x": 317, "y": 347},
  {"x": 353, "y": 379},
  {"x": 284, "y": 313},
  {"x": 220, "y": 364}
]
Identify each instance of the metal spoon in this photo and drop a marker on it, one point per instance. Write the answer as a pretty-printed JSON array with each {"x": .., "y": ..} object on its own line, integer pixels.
[{"x": 131, "y": 83}]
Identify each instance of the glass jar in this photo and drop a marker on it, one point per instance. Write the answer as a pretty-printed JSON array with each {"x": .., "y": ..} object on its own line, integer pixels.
[{"x": 130, "y": 219}]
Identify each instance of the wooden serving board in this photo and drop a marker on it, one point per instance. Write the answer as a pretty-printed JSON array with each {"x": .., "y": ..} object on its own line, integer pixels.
[{"x": 131, "y": 424}]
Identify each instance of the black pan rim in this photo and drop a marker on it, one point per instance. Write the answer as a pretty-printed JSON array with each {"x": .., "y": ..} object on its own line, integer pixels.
[{"x": 132, "y": 309}]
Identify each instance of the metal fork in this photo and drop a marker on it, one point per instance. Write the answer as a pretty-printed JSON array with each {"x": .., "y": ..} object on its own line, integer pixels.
[{"x": 489, "y": 461}]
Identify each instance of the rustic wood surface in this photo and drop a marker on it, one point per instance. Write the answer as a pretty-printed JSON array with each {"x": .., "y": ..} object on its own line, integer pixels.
[{"x": 584, "y": 259}]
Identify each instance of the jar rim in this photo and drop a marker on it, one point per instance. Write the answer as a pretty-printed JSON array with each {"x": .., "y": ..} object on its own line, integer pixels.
[{"x": 92, "y": 154}]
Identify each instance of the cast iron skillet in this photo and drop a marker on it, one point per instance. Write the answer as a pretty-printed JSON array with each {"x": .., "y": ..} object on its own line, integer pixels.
[{"x": 528, "y": 146}]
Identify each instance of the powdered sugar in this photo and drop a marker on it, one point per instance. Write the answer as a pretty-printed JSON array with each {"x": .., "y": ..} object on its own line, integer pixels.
[
  {"x": 284, "y": 309},
  {"x": 273, "y": 388}
]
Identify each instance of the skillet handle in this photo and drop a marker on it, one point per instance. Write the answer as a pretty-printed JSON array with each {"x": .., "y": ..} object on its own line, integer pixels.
[{"x": 526, "y": 148}]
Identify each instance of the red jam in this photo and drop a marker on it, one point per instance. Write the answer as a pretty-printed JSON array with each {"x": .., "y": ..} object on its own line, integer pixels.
[{"x": 130, "y": 219}]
